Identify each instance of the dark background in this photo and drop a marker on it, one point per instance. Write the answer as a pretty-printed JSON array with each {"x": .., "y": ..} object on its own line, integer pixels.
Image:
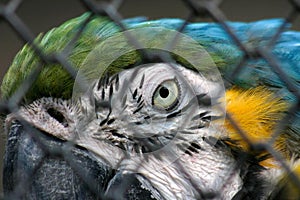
[{"x": 42, "y": 15}]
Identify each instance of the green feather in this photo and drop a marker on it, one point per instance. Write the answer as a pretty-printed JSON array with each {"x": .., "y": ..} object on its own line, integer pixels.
[{"x": 54, "y": 80}]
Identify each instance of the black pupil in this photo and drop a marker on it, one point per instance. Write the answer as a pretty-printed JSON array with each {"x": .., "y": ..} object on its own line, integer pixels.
[{"x": 164, "y": 92}]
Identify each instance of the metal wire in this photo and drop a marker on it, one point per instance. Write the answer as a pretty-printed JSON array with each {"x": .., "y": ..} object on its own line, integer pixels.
[{"x": 198, "y": 9}]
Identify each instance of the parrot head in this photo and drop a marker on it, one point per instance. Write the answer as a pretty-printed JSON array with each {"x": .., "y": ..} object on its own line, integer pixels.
[{"x": 173, "y": 119}]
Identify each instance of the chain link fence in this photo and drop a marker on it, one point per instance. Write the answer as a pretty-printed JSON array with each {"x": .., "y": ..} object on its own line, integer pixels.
[{"x": 79, "y": 160}]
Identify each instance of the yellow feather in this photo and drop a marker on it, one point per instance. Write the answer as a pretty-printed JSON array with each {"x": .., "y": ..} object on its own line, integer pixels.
[{"x": 256, "y": 112}]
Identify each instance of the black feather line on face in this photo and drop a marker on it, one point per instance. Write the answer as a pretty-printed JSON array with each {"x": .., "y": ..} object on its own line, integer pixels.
[
  {"x": 138, "y": 109},
  {"x": 139, "y": 99},
  {"x": 134, "y": 94},
  {"x": 142, "y": 81},
  {"x": 103, "y": 94},
  {"x": 111, "y": 90},
  {"x": 106, "y": 79},
  {"x": 200, "y": 115},
  {"x": 174, "y": 114}
]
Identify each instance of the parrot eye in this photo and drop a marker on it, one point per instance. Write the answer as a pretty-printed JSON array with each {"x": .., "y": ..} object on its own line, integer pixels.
[{"x": 166, "y": 95}]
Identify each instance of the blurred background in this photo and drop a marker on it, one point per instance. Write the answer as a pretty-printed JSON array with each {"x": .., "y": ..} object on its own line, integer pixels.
[{"x": 42, "y": 15}]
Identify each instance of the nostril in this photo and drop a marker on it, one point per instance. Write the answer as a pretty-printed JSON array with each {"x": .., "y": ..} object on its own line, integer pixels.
[{"x": 58, "y": 116}]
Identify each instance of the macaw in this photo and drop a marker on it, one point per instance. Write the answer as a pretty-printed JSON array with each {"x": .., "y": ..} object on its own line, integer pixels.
[{"x": 156, "y": 119}]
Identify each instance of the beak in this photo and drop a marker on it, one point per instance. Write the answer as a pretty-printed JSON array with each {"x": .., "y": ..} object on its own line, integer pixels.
[{"x": 38, "y": 165}]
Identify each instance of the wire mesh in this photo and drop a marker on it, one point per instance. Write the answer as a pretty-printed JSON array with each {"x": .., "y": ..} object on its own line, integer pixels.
[{"x": 203, "y": 9}]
